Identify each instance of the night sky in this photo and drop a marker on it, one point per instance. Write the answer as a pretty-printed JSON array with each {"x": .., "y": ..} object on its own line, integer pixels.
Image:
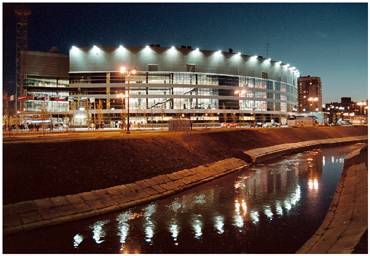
[{"x": 326, "y": 40}]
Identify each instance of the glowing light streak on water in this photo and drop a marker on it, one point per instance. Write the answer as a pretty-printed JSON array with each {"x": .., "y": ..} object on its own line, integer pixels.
[
  {"x": 219, "y": 224},
  {"x": 77, "y": 240},
  {"x": 98, "y": 231},
  {"x": 255, "y": 217},
  {"x": 197, "y": 226},
  {"x": 123, "y": 226}
]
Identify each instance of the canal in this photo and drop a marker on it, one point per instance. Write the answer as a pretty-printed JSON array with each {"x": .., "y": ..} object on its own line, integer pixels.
[{"x": 267, "y": 208}]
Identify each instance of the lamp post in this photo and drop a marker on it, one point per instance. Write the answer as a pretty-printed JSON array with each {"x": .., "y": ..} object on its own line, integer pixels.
[{"x": 127, "y": 74}]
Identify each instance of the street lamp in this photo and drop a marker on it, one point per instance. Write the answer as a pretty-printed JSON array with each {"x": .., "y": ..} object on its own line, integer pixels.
[{"x": 127, "y": 74}]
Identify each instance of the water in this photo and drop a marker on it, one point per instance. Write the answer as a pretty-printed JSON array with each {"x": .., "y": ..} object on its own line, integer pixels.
[{"x": 270, "y": 208}]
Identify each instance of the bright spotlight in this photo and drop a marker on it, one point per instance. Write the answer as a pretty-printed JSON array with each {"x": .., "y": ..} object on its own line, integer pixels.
[
  {"x": 197, "y": 49},
  {"x": 254, "y": 57},
  {"x": 122, "y": 69},
  {"x": 173, "y": 47},
  {"x": 239, "y": 53}
]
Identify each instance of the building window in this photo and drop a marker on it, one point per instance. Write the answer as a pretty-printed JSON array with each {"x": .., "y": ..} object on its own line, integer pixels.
[
  {"x": 264, "y": 75},
  {"x": 190, "y": 67},
  {"x": 152, "y": 67}
]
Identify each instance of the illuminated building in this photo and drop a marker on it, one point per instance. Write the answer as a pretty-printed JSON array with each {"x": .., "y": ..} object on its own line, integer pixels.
[
  {"x": 45, "y": 84},
  {"x": 309, "y": 94},
  {"x": 181, "y": 81}
]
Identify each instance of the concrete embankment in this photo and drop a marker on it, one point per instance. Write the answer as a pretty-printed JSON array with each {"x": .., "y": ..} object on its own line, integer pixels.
[
  {"x": 346, "y": 220},
  {"x": 48, "y": 211},
  {"x": 41, "y": 212},
  {"x": 47, "y": 169}
]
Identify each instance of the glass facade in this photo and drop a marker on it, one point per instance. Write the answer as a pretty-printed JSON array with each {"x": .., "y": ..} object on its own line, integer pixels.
[
  {"x": 46, "y": 94},
  {"x": 185, "y": 91}
]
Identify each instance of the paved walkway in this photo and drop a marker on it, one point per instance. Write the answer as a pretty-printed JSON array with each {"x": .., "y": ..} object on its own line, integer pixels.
[
  {"x": 346, "y": 220},
  {"x": 55, "y": 210}
]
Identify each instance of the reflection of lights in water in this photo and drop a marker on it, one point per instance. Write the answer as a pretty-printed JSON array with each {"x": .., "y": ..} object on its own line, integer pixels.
[
  {"x": 279, "y": 209},
  {"x": 341, "y": 160},
  {"x": 149, "y": 231},
  {"x": 238, "y": 221},
  {"x": 197, "y": 226},
  {"x": 219, "y": 224},
  {"x": 255, "y": 217},
  {"x": 268, "y": 212},
  {"x": 98, "y": 231},
  {"x": 174, "y": 229},
  {"x": 309, "y": 159},
  {"x": 77, "y": 239},
  {"x": 149, "y": 210},
  {"x": 237, "y": 206},
  {"x": 148, "y": 224},
  {"x": 332, "y": 159},
  {"x": 313, "y": 184},
  {"x": 296, "y": 196},
  {"x": 240, "y": 205},
  {"x": 244, "y": 207},
  {"x": 128, "y": 251},
  {"x": 123, "y": 226},
  {"x": 323, "y": 160},
  {"x": 175, "y": 205},
  {"x": 200, "y": 199},
  {"x": 287, "y": 205}
]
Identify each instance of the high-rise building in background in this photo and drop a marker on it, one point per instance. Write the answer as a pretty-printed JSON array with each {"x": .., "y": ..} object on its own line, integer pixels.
[{"x": 309, "y": 94}]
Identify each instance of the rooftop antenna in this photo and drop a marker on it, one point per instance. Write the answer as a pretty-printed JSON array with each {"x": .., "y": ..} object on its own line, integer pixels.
[{"x": 267, "y": 49}]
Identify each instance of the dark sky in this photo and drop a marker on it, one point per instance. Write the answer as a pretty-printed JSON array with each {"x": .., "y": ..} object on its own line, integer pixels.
[{"x": 326, "y": 40}]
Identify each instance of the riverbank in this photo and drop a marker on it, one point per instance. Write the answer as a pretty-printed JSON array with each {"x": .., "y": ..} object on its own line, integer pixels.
[
  {"x": 55, "y": 210},
  {"x": 46, "y": 169},
  {"x": 346, "y": 222}
]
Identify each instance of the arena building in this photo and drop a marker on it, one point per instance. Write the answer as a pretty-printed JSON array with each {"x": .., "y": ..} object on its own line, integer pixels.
[{"x": 178, "y": 82}]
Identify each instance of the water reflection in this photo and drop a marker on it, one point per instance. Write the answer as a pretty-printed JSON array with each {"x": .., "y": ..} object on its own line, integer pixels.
[
  {"x": 149, "y": 224},
  {"x": 278, "y": 208},
  {"x": 267, "y": 211},
  {"x": 219, "y": 222},
  {"x": 313, "y": 184},
  {"x": 123, "y": 226},
  {"x": 227, "y": 209},
  {"x": 98, "y": 231},
  {"x": 197, "y": 226},
  {"x": 77, "y": 240},
  {"x": 255, "y": 217},
  {"x": 174, "y": 229}
]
